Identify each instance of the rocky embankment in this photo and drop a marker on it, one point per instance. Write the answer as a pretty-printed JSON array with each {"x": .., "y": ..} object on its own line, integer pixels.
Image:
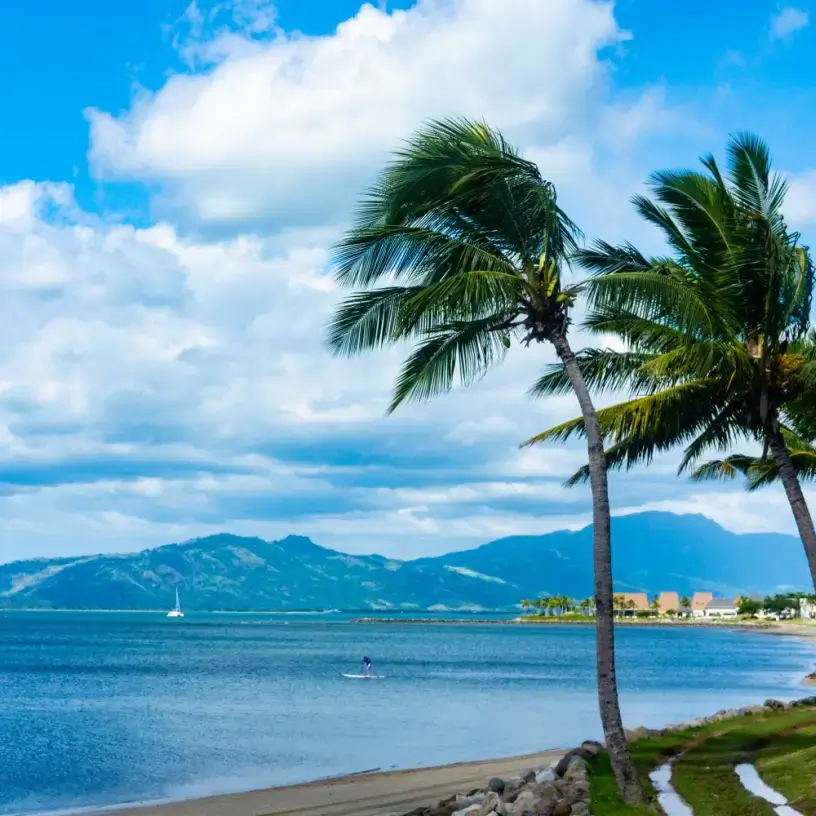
[{"x": 560, "y": 789}]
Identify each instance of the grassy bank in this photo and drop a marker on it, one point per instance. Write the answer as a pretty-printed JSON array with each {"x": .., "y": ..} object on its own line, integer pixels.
[{"x": 782, "y": 744}]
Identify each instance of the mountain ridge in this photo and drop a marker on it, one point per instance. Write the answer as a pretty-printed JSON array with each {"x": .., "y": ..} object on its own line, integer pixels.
[{"x": 653, "y": 551}]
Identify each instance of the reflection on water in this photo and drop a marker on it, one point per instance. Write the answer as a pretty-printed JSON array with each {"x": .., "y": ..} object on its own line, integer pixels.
[{"x": 752, "y": 782}]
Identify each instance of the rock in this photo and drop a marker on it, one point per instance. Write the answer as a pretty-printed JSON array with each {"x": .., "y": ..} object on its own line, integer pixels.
[
  {"x": 546, "y": 801},
  {"x": 775, "y": 705},
  {"x": 592, "y": 748},
  {"x": 581, "y": 809},
  {"x": 492, "y": 802},
  {"x": 525, "y": 802},
  {"x": 512, "y": 790},
  {"x": 562, "y": 764},
  {"x": 527, "y": 776},
  {"x": 563, "y": 809},
  {"x": 577, "y": 768},
  {"x": 496, "y": 784},
  {"x": 471, "y": 799},
  {"x": 577, "y": 791},
  {"x": 467, "y": 811},
  {"x": 546, "y": 775},
  {"x": 636, "y": 733}
]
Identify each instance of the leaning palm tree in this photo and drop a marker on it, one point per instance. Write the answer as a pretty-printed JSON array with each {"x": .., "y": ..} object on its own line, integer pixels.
[
  {"x": 715, "y": 331},
  {"x": 460, "y": 249},
  {"x": 800, "y": 438}
]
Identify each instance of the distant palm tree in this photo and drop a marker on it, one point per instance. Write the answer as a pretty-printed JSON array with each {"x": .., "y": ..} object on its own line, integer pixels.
[
  {"x": 460, "y": 249},
  {"x": 655, "y": 605},
  {"x": 620, "y": 603},
  {"x": 587, "y": 605},
  {"x": 685, "y": 601}
]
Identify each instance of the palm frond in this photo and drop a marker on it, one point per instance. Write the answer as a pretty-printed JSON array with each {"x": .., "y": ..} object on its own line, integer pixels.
[
  {"x": 464, "y": 350},
  {"x": 602, "y": 369}
]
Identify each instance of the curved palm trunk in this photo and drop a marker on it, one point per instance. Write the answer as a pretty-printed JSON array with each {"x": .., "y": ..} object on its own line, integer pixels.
[
  {"x": 801, "y": 513},
  {"x": 629, "y": 783}
]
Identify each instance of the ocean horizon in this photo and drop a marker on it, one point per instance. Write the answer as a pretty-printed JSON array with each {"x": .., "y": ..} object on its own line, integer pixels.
[{"x": 105, "y": 709}]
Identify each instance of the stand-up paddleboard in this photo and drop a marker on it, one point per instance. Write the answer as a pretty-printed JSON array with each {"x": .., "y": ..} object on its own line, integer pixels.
[{"x": 365, "y": 676}]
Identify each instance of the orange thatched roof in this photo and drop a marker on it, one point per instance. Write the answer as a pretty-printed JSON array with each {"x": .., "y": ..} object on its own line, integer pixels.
[
  {"x": 669, "y": 601},
  {"x": 701, "y": 600},
  {"x": 640, "y": 599}
]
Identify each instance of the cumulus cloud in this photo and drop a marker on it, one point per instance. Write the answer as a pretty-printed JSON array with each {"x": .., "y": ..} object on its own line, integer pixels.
[
  {"x": 289, "y": 127},
  {"x": 787, "y": 21},
  {"x": 163, "y": 382}
]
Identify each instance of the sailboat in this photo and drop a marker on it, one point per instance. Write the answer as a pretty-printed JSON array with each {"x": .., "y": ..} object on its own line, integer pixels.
[{"x": 176, "y": 613}]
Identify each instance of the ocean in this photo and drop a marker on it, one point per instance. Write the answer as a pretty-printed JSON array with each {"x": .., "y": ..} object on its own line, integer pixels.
[{"x": 99, "y": 709}]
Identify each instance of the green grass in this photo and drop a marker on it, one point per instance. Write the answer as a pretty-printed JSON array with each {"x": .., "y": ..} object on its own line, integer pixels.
[
  {"x": 788, "y": 764},
  {"x": 783, "y": 745}
]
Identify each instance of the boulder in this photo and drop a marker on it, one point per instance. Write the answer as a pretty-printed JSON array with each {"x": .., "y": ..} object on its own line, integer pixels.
[
  {"x": 546, "y": 801},
  {"x": 512, "y": 789},
  {"x": 467, "y": 811},
  {"x": 545, "y": 775},
  {"x": 463, "y": 801},
  {"x": 492, "y": 803},
  {"x": 525, "y": 802},
  {"x": 636, "y": 733},
  {"x": 527, "y": 776},
  {"x": 496, "y": 784},
  {"x": 576, "y": 769},
  {"x": 591, "y": 748},
  {"x": 562, "y": 809},
  {"x": 577, "y": 791},
  {"x": 775, "y": 705},
  {"x": 562, "y": 764},
  {"x": 581, "y": 809}
]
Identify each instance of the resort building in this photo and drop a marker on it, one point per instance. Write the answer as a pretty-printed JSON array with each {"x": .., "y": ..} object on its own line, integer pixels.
[
  {"x": 721, "y": 608},
  {"x": 699, "y": 603},
  {"x": 629, "y": 603},
  {"x": 668, "y": 602}
]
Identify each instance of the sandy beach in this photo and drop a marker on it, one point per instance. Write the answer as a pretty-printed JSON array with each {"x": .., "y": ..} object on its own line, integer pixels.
[{"x": 379, "y": 794}]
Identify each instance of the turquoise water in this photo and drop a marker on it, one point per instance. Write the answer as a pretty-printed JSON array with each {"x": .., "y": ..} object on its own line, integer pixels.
[{"x": 98, "y": 709}]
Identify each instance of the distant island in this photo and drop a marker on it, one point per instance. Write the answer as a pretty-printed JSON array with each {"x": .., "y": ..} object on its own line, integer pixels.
[{"x": 654, "y": 552}]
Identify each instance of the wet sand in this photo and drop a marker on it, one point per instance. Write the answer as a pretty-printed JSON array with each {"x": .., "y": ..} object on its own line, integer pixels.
[{"x": 380, "y": 794}]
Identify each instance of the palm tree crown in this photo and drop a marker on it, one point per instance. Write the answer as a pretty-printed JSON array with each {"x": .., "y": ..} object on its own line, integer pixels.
[
  {"x": 459, "y": 247},
  {"x": 716, "y": 331}
]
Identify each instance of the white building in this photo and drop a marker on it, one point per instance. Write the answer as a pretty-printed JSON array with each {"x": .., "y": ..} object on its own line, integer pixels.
[{"x": 721, "y": 608}]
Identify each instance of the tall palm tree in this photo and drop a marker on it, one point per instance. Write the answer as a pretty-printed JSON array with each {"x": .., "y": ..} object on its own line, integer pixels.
[
  {"x": 460, "y": 248},
  {"x": 715, "y": 331}
]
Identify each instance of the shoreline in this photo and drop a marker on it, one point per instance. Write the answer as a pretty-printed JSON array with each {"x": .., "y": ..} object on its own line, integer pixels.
[
  {"x": 397, "y": 792},
  {"x": 365, "y": 793}
]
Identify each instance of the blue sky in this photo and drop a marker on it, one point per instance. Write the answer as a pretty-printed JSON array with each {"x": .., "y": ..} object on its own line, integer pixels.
[{"x": 172, "y": 177}]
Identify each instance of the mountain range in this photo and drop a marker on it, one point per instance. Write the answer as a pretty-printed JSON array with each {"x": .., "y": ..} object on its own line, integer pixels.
[{"x": 652, "y": 552}]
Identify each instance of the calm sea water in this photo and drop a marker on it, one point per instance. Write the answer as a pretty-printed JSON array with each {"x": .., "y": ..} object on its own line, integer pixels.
[{"x": 97, "y": 709}]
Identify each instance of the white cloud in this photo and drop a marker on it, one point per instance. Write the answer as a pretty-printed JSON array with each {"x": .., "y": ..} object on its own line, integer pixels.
[
  {"x": 800, "y": 203},
  {"x": 289, "y": 127},
  {"x": 787, "y": 21},
  {"x": 155, "y": 385}
]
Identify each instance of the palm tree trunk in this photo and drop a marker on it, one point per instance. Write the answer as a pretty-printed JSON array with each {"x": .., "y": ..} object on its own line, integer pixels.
[
  {"x": 629, "y": 783},
  {"x": 790, "y": 481}
]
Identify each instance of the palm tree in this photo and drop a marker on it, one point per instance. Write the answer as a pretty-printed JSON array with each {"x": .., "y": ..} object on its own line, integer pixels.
[
  {"x": 655, "y": 605},
  {"x": 460, "y": 248},
  {"x": 587, "y": 605},
  {"x": 620, "y": 603},
  {"x": 716, "y": 331}
]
